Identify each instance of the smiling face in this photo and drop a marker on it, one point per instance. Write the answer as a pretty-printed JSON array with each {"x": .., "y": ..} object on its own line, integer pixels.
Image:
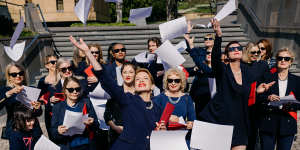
[
  {"x": 208, "y": 41},
  {"x": 72, "y": 91},
  {"x": 65, "y": 70},
  {"x": 284, "y": 60},
  {"x": 174, "y": 82},
  {"x": 119, "y": 52},
  {"x": 235, "y": 53},
  {"x": 16, "y": 75},
  {"x": 143, "y": 82},
  {"x": 254, "y": 53},
  {"x": 128, "y": 74},
  {"x": 95, "y": 52}
]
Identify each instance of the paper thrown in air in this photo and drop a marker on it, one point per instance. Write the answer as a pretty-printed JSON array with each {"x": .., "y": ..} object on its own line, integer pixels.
[
  {"x": 140, "y": 13},
  {"x": 17, "y": 33},
  {"x": 173, "y": 29},
  {"x": 99, "y": 93},
  {"x": 181, "y": 46},
  {"x": 82, "y": 9},
  {"x": 228, "y": 8},
  {"x": 45, "y": 144},
  {"x": 168, "y": 140},
  {"x": 16, "y": 52}
]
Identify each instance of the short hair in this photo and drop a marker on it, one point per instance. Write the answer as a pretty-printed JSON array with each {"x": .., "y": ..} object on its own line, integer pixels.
[
  {"x": 177, "y": 72},
  {"x": 286, "y": 50},
  {"x": 48, "y": 57},
  {"x": 61, "y": 61},
  {"x": 128, "y": 64},
  {"x": 227, "y": 46},
  {"x": 268, "y": 46},
  {"x": 113, "y": 47},
  {"x": 210, "y": 35},
  {"x": 146, "y": 71},
  {"x": 21, "y": 115},
  {"x": 100, "y": 59},
  {"x": 70, "y": 79},
  {"x": 155, "y": 40},
  {"x": 246, "y": 52},
  {"x": 7, "y": 76}
]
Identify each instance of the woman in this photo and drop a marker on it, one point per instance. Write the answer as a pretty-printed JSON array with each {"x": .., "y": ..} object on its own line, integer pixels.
[
  {"x": 112, "y": 112},
  {"x": 265, "y": 47},
  {"x": 230, "y": 104},
  {"x": 26, "y": 130},
  {"x": 110, "y": 59},
  {"x": 15, "y": 82},
  {"x": 139, "y": 113},
  {"x": 279, "y": 125},
  {"x": 251, "y": 53},
  {"x": 78, "y": 56},
  {"x": 174, "y": 85},
  {"x": 73, "y": 102}
]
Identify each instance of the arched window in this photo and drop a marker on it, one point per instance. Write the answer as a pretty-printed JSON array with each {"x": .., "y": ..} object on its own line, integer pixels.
[{"x": 60, "y": 5}]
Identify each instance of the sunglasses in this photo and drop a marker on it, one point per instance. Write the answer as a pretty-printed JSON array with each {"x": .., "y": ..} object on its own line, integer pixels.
[
  {"x": 118, "y": 50},
  {"x": 208, "y": 39},
  {"x": 53, "y": 62},
  {"x": 15, "y": 74},
  {"x": 64, "y": 70},
  {"x": 255, "y": 52},
  {"x": 231, "y": 49},
  {"x": 262, "y": 48},
  {"x": 95, "y": 52},
  {"x": 71, "y": 90},
  {"x": 174, "y": 80},
  {"x": 279, "y": 58},
  {"x": 207, "y": 53}
]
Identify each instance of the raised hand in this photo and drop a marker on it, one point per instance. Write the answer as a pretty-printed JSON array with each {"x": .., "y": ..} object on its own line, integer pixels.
[
  {"x": 189, "y": 26},
  {"x": 216, "y": 26},
  {"x": 189, "y": 40},
  {"x": 81, "y": 45}
]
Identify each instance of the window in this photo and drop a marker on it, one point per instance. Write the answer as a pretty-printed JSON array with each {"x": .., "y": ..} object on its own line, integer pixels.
[{"x": 60, "y": 5}]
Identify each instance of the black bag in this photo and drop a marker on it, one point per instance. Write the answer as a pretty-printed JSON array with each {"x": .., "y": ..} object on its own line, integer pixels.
[{"x": 3, "y": 134}]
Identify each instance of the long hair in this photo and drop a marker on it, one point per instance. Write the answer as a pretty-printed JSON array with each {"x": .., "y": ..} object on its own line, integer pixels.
[
  {"x": 268, "y": 47},
  {"x": 7, "y": 76},
  {"x": 76, "y": 59},
  {"x": 21, "y": 115},
  {"x": 247, "y": 51},
  {"x": 110, "y": 59},
  {"x": 100, "y": 58}
]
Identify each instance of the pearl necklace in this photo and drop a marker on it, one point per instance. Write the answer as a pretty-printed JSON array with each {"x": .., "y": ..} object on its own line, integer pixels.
[{"x": 174, "y": 101}]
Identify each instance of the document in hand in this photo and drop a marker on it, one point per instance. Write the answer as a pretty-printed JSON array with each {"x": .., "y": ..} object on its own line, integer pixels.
[
  {"x": 168, "y": 140},
  {"x": 45, "y": 144},
  {"x": 28, "y": 95},
  {"x": 74, "y": 122},
  {"x": 169, "y": 54},
  {"x": 173, "y": 29},
  {"x": 209, "y": 136},
  {"x": 284, "y": 100},
  {"x": 99, "y": 107},
  {"x": 16, "y": 52},
  {"x": 82, "y": 9},
  {"x": 138, "y": 16}
]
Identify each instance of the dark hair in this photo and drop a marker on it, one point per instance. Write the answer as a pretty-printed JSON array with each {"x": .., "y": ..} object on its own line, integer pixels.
[
  {"x": 227, "y": 46},
  {"x": 155, "y": 40},
  {"x": 128, "y": 64},
  {"x": 69, "y": 79},
  {"x": 21, "y": 115},
  {"x": 113, "y": 47},
  {"x": 110, "y": 59},
  {"x": 268, "y": 47}
]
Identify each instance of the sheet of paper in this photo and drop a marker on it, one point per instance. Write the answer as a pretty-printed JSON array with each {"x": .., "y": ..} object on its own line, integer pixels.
[
  {"x": 119, "y": 76},
  {"x": 289, "y": 97},
  {"x": 74, "y": 122},
  {"x": 212, "y": 86},
  {"x": 114, "y": 1},
  {"x": 228, "y": 8},
  {"x": 181, "y": 46},
  {"x": 139, "y": 22},
  {"x": 17, "y": 33},
  {"x": 284, "y": 100},
  {"x": 140, "y": 13},
  {"x": 168, "y": 140},
  {"x": 169, "y": 54},
  {"x": 82, "y": 9},
  {"x": 181, "y": 120},
  {"x": 16, "y": 52},
  {"x": 201, "y": 25},
  {"x": 45, "y": 144},
  {"x": 173, "y": 29},
  {"x": 28, "y": 95},
  {"x": 99, "y": 107},
  {"x": 209, "y": 136},
  {"x": 145, "y": 57},
  {"x": 99, "y": 93}
]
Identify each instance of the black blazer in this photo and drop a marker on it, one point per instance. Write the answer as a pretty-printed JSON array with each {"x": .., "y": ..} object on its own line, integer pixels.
[{"x": 276, "y": 121}]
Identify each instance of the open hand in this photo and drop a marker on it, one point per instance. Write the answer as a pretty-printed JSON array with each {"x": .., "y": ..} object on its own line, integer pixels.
[{"x": 81, "y": 45}]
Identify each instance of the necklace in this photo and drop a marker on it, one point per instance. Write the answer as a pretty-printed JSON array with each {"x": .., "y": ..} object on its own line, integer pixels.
[
  {"x": 174, "y": 101},
  {"x": 151, "y": 105}
]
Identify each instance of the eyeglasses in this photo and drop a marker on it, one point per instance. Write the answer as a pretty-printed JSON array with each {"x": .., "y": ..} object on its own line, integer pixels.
[
  {"x": 15, "y": 74},
  {"x": 207, "y": 53},
  {"x": 255, "y": 52},
  {"x": 231, "y": 49},
  {"x": 71, "y": 90},
  {"x": 174, "y": 80},
  {"x": 279, "y": 58},
  {"x": 262, "y": 48},
  {"x": 95, "y": 52},
  {"x": 53, "y": 62},
  {"x": 64, "y": 70},
  {"x": 210, "y": 39},
  {"x": 118, "y": 50}
]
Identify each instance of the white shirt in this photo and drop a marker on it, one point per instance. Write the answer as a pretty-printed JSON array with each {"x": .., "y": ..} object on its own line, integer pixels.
[{"x": 282, "y": 87}]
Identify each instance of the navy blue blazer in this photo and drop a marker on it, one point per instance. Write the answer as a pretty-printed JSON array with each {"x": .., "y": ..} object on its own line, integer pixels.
[
  {"x": 276, "y": 121},
  {"x": 138, "y": 121}
]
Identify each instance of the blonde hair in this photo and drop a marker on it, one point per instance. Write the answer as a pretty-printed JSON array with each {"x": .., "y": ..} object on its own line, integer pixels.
[
  {"x": 178, "y": 73},
  {"x": 246, "y": 52},
  {"x": 146, "y": 71},
  {"x": 210, "y": 36},
  {"x": 100, "y": 59},
  {"x": 286, "y": 50},
  {"x": 7, "y": 76},
  {"x": 76, "y": 57}
]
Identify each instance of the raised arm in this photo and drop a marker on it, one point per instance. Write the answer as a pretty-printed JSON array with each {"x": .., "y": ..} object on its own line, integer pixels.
[{"x": 216, "y": 51}]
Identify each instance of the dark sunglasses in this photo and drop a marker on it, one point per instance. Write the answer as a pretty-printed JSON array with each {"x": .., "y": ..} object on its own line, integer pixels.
[
  {"x": 207, "y": 53},
  {"x": 279, "y": 58},
  {"x": 118, "y": 50},
  {"x": 255, "y": 52},
  {"x": 95, "y": 52},
  {"x": 64, "y": 70},
  {"x": 210, "y": 39},
  {"x": 231, "y": 49},
  {"x": 174, "y": 80},
  {"x": 71, "y": 90},
  {"x": 15, "y": 74},
  {"x": 53, "y": 62},
  {"x": 262, "y": 48}
]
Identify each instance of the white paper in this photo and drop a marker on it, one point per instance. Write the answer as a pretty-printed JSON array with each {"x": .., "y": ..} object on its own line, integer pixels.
[
  {"x": 173, "y": 29},
  {"x": 140, "y": 13},
  {"x": 212, "y": 86},
  {"x": 289, "y": 97},
  {"x": 201, "y": 25},
  {"x": 168, "y": 140},
  {"x": 139, "y": 22},
  {"x": 99, "y": 107},
  {"x": 82, "y": 9},
  {"x": 99, "y": 93},
  {"x": 45, "y": 144},
  {"x": 17, "y": 33},
  {"x": 181, "y": 120},
  {"x": 146, "y": 57},
  {"x": 156, "y": 91},
  {"x": 169, "y": 54},
  {"x": 16, "y": 52},
  {"x": 209, "y": 136},
  {"x": 119, "y": 76},
  {"x": 28, "y": 95},
  {"x": 228, "y": 8},
  {"x": 181, "y": 46},
  {"x": 74, "y": 122},
  {"x": 114, "y": 1}
]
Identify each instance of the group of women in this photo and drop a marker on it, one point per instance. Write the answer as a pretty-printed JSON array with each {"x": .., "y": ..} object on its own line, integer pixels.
[{"x": 246, "y": 80}]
